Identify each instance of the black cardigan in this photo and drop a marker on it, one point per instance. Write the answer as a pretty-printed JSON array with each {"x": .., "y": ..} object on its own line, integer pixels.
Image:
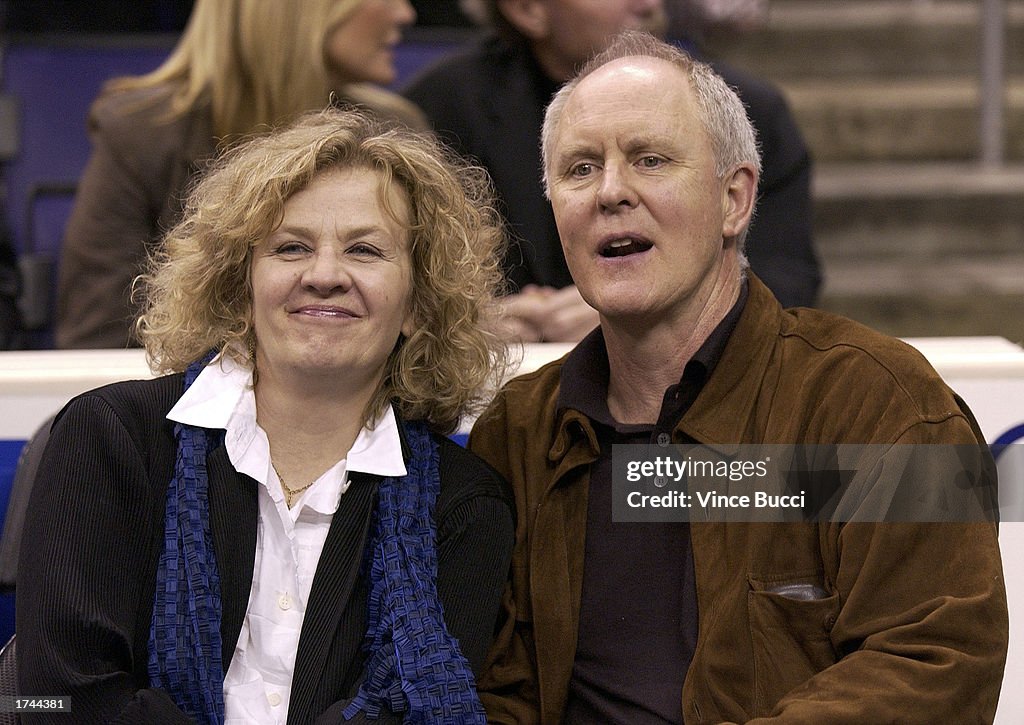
[{"x": 93, "y": 536}]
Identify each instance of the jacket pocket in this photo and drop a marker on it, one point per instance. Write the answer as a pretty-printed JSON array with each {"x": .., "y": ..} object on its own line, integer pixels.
[{"x": 791, "y": 619}]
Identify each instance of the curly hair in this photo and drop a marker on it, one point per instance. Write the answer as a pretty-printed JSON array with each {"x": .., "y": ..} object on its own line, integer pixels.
[{"x": 197, "y": 293}]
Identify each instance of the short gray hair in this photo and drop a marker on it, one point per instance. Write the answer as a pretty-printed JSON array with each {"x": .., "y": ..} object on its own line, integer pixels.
[{"x": 719, "y": 108}]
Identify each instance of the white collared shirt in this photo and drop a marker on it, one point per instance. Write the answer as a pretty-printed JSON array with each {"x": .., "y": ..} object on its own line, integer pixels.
[{"x": 257, "y": 685}]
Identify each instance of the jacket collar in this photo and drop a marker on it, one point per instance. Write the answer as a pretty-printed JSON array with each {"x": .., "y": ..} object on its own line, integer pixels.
[
  {"x": 575, "y": 444},
  {"x": 739, "y": 378},
  {"x": 572, "y": 425}
]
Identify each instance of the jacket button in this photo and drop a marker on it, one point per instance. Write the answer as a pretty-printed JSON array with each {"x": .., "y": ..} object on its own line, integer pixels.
[
  {"x": 830, "y": 621},
  {"x": 663, "y": 439}
]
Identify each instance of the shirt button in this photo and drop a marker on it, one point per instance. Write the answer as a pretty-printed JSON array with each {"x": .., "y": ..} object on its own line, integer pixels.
[
  {"x": 284, "y": 602},
  {"x": 274, "y": 699}
]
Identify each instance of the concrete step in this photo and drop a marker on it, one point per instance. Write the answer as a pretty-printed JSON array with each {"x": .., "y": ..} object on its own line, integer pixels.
[
  {"x": 932, "y": 312},
  {"x": 918, "y": 211},
  {"x": 923, "y": 249},
  {"x": 930, "y": 298},
  {"x": 900, "y": 120},
  {"x": 983, "y": 274},
  {"x": 868, "y": 38}
]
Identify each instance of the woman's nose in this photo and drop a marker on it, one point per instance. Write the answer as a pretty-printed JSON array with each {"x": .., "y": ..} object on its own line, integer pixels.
[{"x": 326, "y": 272}]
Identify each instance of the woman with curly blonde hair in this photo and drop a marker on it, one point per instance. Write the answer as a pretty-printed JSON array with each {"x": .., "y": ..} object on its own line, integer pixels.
[
  {"x": 241, "y": 66},
  {"x": 194, "y": 292},
  {"x": 278, "y": 530}
]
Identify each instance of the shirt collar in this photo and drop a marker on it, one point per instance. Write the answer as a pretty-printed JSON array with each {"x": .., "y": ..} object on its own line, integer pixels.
[
  {"x": 585, "y": 373},
  {"x": 379, "y": 451},
  {"x": 376, "y": 452},
  {"x": 214, "y": 395},
  {"x": 223, "y": 391},
  {"x": 711, "y": 351}
]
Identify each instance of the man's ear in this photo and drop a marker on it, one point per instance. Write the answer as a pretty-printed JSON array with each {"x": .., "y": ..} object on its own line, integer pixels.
[
  {"x": 738, "y": 195},
  {"x": 529, "y": 17}
]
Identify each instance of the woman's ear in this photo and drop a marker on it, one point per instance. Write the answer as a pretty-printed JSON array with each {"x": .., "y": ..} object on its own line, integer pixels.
[
  {"x": 529, "y": 17},
  {"x": 738, "y": 195},
  {"x": 409, "y": 325}
]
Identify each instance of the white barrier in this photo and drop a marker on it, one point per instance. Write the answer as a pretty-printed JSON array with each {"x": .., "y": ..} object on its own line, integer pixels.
[{"x": 987, "y": 371}]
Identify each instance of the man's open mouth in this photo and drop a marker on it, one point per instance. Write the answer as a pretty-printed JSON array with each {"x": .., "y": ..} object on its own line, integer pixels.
[{"x": 624, "y": 247}]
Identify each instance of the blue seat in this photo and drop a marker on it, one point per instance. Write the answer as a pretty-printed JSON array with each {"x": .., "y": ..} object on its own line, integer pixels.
[{"x": 17, "y": 505}]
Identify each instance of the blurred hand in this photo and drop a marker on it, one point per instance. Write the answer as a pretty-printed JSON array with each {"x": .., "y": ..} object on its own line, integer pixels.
[
  {"x": 515, "y": 317},
  {"x": 544, "y": 314},
  {"x": 568, "y": 317}
]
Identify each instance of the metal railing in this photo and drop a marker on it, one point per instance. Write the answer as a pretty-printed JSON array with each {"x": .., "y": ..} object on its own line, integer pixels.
[{"x": 993, "y": 77}]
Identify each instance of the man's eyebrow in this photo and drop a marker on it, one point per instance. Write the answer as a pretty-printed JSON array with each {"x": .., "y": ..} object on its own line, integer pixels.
[
  {"x": 574, "y": 150},
  {"x": 645, "y": 143}
]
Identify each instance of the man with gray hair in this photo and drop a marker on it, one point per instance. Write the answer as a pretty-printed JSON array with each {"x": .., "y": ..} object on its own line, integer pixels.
[{"x": 651, "y": 167}]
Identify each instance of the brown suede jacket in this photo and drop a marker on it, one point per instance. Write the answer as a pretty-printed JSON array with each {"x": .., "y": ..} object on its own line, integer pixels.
[{"x": 915, "y": 626}]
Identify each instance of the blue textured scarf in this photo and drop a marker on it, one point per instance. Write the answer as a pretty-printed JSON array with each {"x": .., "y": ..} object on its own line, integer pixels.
[
  {"x": 184, "y": 638},
  {"x": 414, "y": 665}
]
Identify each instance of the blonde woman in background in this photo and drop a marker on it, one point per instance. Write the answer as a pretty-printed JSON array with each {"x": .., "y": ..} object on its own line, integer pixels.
[{"x": 241, "y": 67}]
